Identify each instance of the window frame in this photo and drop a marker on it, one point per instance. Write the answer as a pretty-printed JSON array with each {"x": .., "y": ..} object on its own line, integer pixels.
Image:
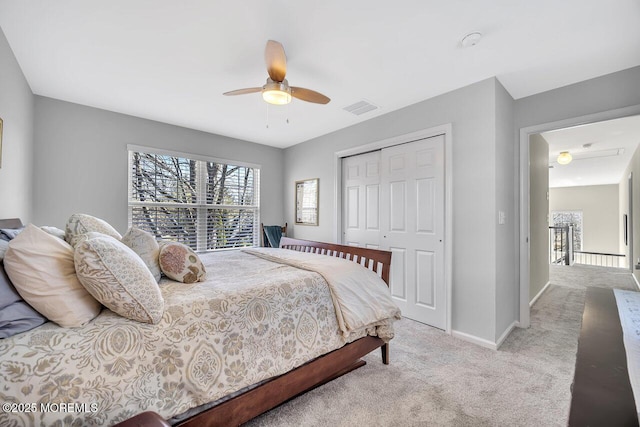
[{"x": 201, "y": 206}]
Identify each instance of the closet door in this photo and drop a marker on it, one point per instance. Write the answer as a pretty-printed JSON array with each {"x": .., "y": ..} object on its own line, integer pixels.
[
  {"x": 361, "y": 200},
  {"x": 412, "y": 225},
  {"x": 393, "y": 199}
]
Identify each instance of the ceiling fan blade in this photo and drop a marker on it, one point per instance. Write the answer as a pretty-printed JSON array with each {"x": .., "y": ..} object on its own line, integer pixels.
[
  {"x": 309, "y": 95},
  {"x": 276, "y": 60},
  {"x": 243, "y": 91}
]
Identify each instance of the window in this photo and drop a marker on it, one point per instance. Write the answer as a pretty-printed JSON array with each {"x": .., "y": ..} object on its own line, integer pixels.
[
  {"x": 574, "y": 218},
  {"x": 204, "y": 203}
]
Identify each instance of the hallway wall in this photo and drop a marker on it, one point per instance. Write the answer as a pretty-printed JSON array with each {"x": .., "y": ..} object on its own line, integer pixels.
[
  {"x": 539, "y": 216},
  {"x": 600, "y": 214}
]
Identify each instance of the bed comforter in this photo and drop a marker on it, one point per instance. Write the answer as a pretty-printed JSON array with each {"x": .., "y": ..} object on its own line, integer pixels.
[{"x": 251, "y": 320}]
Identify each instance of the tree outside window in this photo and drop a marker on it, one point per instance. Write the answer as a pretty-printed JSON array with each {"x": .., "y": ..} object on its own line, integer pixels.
[
  {"x": 574, "y": 218},
  {"x": 205, "y": 204}
]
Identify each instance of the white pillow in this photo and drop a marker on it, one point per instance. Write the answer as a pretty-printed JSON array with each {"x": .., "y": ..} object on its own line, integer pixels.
[
  {"x": 83, "y": 223},
  {"x": 117, "y": 277},
  {"x": 146, "y": 246},
  {"x": 41, "y": 268}
]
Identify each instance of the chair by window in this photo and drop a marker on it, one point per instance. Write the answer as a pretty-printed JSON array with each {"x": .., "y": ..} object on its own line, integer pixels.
[{"x": 270, "y": 235}]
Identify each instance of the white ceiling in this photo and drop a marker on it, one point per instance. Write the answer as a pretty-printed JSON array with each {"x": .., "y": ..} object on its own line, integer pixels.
[
  {"x": 613, "y": 143},
  {"x": 171, "y": 61}
]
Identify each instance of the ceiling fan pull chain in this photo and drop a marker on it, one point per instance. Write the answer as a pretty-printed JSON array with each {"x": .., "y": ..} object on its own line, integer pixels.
[
  {"x": 287, "y": 113},
  {"x": 267, "y": 116}
]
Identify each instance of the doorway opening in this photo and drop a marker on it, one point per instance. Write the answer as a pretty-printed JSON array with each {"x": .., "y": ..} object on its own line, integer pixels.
[{"x": 579, "y": 178}]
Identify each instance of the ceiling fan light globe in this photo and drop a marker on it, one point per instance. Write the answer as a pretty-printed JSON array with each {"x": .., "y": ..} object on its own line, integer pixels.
[
  {"x": 276, "y": 96},
  {"x": 564, "y": 158}
]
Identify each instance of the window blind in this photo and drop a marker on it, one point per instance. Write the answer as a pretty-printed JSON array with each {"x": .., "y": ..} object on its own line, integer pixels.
[{"x": 205, "y": 204}]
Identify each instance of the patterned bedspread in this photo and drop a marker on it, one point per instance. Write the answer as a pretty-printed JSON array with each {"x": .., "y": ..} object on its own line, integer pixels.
[{"x": 251, "y": 320}]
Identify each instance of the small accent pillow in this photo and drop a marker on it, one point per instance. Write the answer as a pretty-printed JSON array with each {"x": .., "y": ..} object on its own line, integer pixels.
[
  {"x": 179, "y": 262},
  {"x": 83, "y": 223},
  {"x": 146, "y": 246},
  {"x": 41, "y": 269},
  {"x": 116, "y": 276}
]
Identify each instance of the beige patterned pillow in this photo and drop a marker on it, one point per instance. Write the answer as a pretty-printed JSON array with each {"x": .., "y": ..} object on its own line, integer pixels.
[
  {"x": 41, "y": 268},
  {"x": 79, "y": 238},
  {"x": 146, "y": 246},
  {"x": 117, "y": 277},
  {"x": 83, "y": 223},
  {"x": 179, "y": 262}
]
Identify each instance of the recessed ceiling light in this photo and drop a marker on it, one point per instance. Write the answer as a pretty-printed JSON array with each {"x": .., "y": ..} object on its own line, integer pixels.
[{"x": 471, "y": 39}]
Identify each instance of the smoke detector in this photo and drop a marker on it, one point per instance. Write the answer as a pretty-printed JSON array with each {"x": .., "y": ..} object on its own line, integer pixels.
[{"x": 471, "y": 39}]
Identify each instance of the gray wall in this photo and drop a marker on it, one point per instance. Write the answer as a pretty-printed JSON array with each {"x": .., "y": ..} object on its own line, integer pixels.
[
  {"x": 17, "y": 113},
  {"x": 507, "y": 282},
  {"x": 600, "y": 219},
  {"x": 81, "y": 161},
  {"x": 609, "y": 92},
  {"x": 538, "y": 217},
  {"x": 472, "y": 112}
]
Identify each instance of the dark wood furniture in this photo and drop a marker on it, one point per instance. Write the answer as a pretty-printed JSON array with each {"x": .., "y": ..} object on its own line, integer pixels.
[
  {"x": 145, "y": 419},
  {"x": 601, "y": 390}
]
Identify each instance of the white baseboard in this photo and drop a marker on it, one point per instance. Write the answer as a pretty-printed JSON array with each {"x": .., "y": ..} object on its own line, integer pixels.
[
  {"x": 544, "y": 288},
  {"x": 635, "y": 280},
  {"x": 506, "y": 333},
  {"x": 483, "y": 342},
  {"x": 475, "y": 340}
]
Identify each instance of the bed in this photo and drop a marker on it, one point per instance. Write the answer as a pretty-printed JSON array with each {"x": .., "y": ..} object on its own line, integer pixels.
[{"x": 196, "y": 367}]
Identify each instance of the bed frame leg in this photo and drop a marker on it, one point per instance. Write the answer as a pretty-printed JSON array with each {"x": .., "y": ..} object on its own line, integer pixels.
[{"x": 385, "y": 353}]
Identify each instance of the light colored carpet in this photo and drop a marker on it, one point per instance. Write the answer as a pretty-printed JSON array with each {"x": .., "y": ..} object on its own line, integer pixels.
[{"x": 437, "y": 380}]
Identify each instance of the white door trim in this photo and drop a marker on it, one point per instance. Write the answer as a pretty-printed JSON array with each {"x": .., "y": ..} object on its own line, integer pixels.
[
  {"x": 524, "y": 189},
  {"x": 445, "y": 130}
]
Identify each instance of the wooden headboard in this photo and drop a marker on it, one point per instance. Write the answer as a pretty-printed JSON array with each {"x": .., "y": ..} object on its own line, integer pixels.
[
  {"x": 374, "y": 259},
  {"x": 11, "y": 223}
]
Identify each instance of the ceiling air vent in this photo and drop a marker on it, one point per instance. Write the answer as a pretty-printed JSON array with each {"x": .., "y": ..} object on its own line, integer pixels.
[{"x": 360, "y": 108}]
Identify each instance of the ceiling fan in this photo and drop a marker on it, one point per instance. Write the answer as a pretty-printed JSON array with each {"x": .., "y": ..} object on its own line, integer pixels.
[{"x": 277, "y": 90}]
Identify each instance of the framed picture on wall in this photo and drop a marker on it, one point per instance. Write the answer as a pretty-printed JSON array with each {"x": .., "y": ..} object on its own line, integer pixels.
[{"x": 307, "y": 202}]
